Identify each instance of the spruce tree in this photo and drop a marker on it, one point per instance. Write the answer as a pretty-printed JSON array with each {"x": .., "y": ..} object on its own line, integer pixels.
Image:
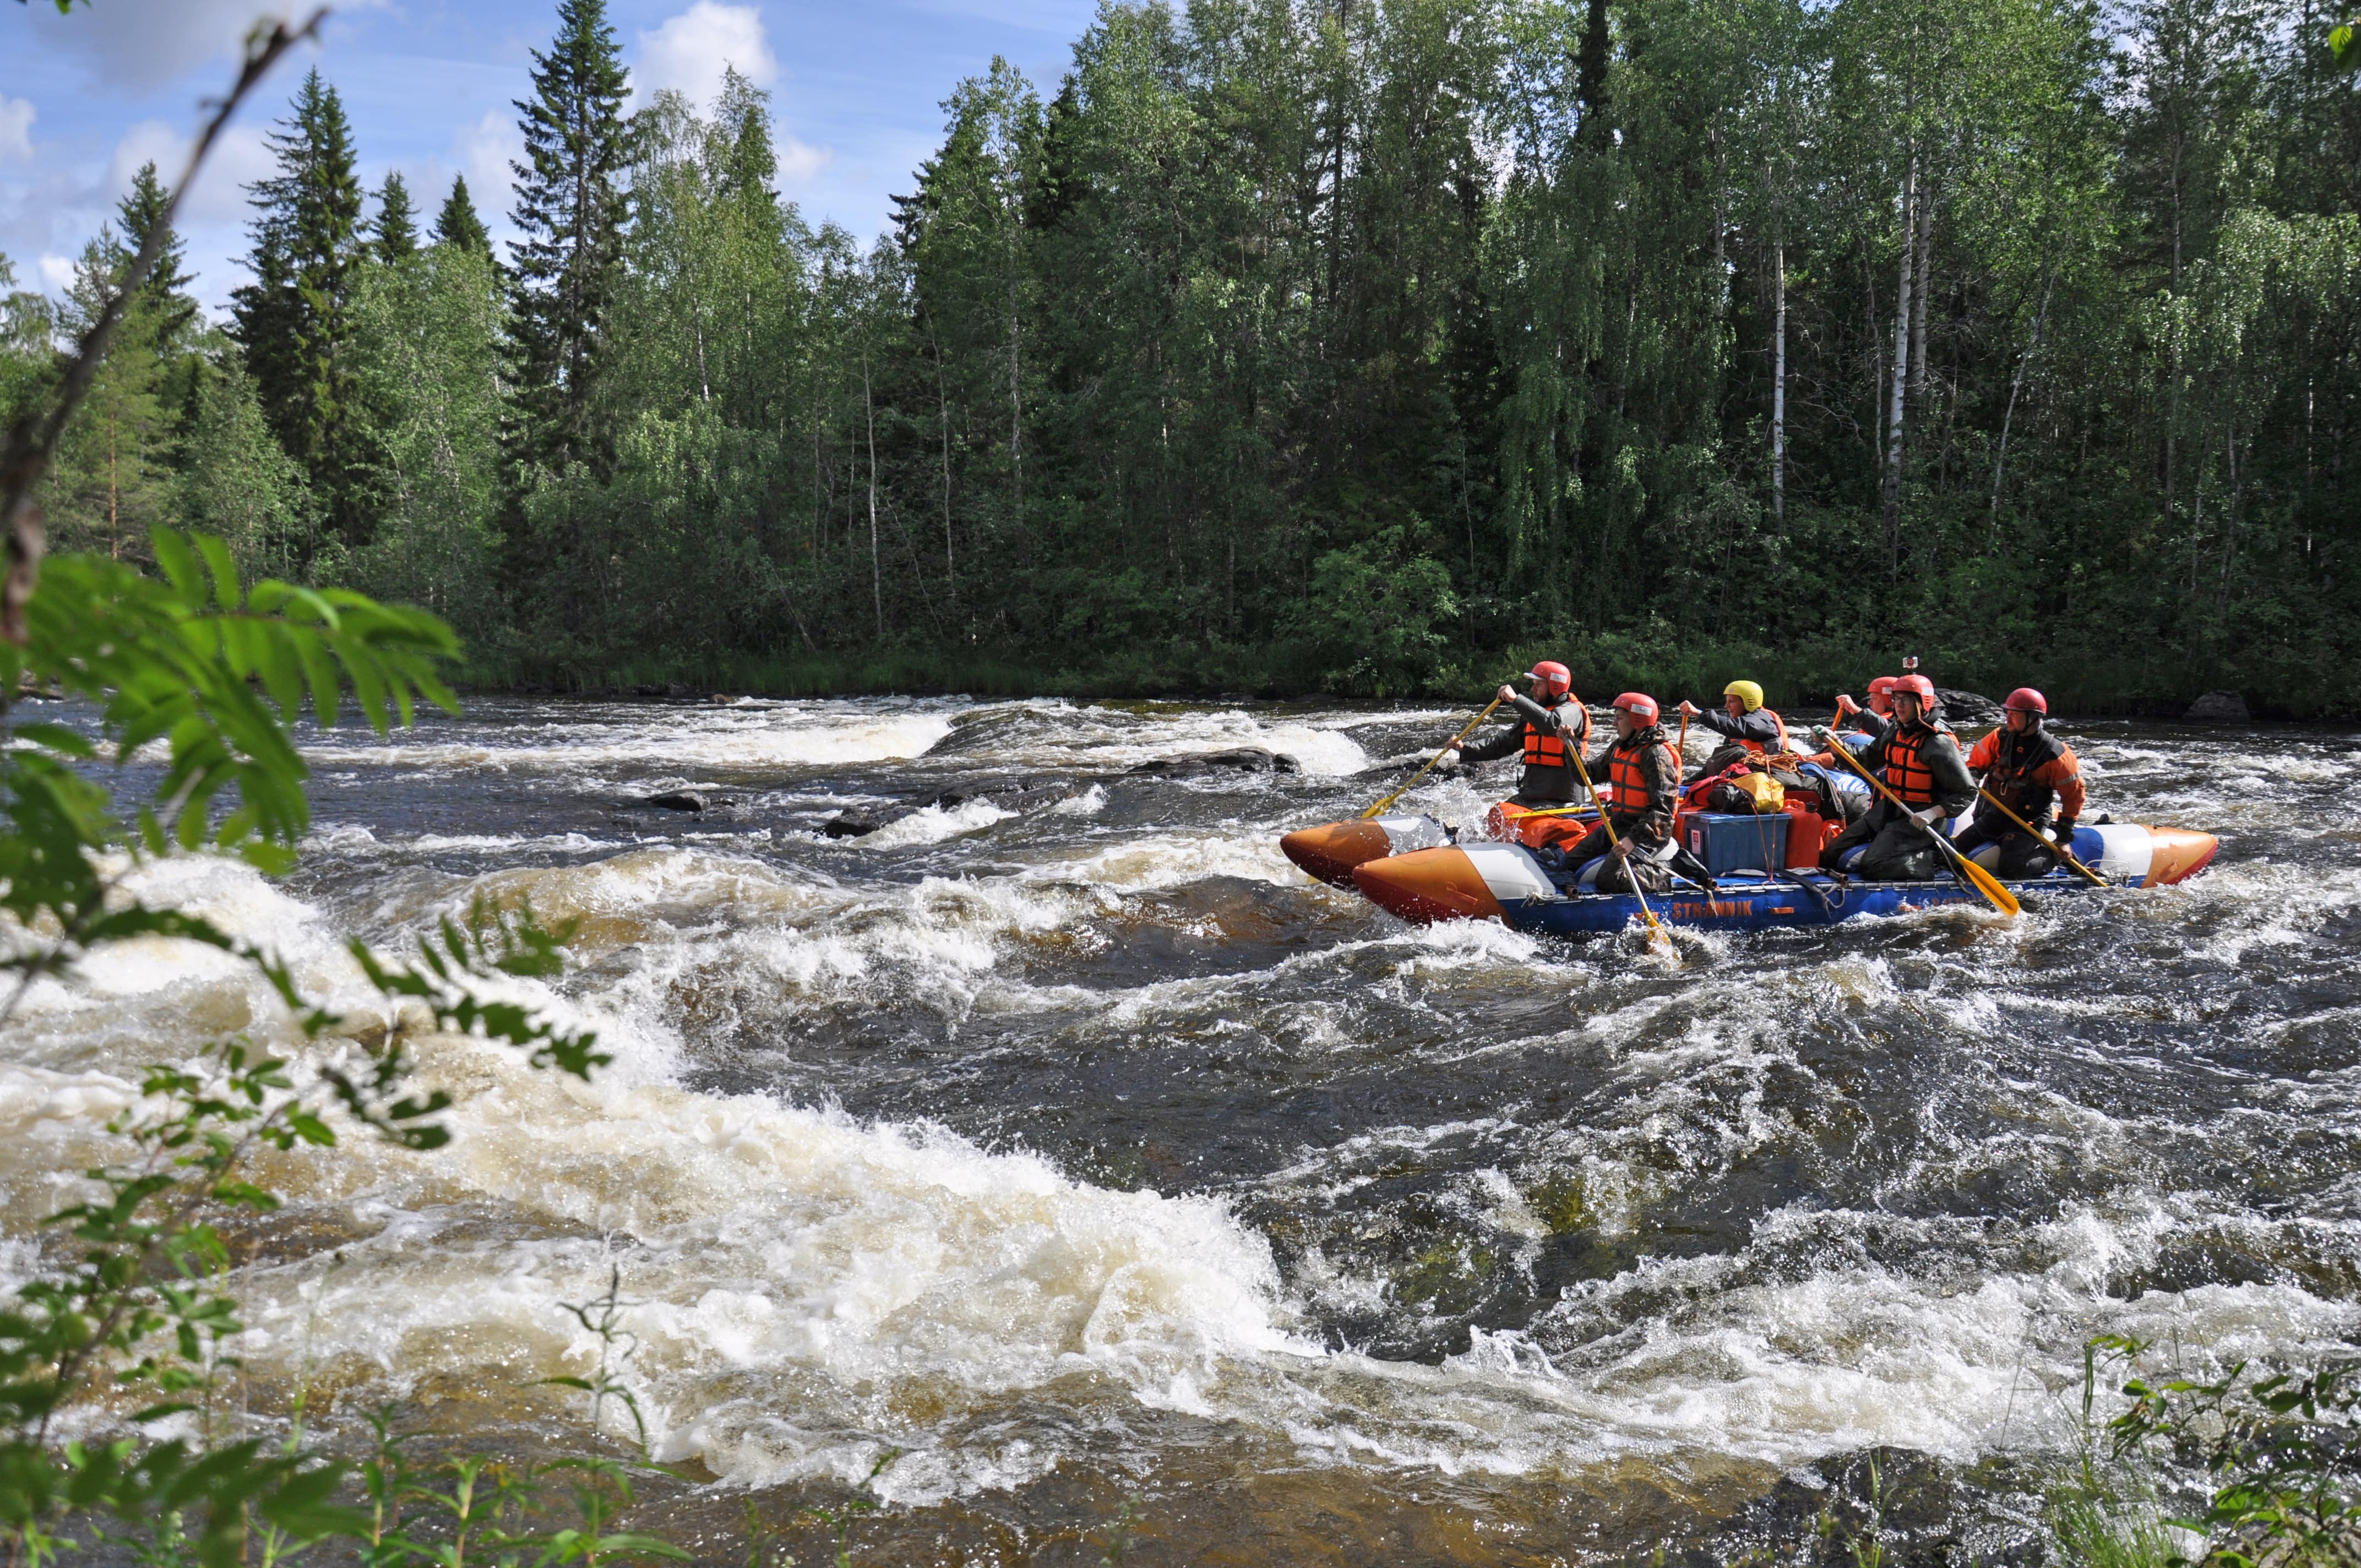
[
  {"x": 295, "y": 319},
  {"x": 166, "y": 285},
  {"x": 458, "y": 224},
  {"x": 396, "y": 222},
  {"x": 165, "y": 310},
  {"x": 571, "y": 209}
]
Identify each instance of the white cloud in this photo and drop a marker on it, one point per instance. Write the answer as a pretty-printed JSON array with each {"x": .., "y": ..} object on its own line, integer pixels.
[
  {"x": 484, "y": 152},
  {"x": 57, "y": 272},
  {"x": 147, "y": 43},
  {"x": 16, "y": 128},
  {"x": 240, "y": 157},
  {"x": 690, "y": 51},
  {"x": 800, "y": 162}
]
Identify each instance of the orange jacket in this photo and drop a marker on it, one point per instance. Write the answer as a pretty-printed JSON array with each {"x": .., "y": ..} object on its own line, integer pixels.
[{"x": 2023, "y": 772}]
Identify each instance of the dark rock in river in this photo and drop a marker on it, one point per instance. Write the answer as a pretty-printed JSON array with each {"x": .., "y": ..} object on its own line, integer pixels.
[
  {"x": 844, "y": 824},
  {"x": 1967, "y": 708},
  {"x": 1240, "y": 759},
  {"x": 2219, "y": 707},
  {"x": 683, "y": 800},
  {"x": 1019, "y": 795}
]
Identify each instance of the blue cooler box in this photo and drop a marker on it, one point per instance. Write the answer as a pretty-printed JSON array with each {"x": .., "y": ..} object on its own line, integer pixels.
[{"x": 1731, "y": 841}]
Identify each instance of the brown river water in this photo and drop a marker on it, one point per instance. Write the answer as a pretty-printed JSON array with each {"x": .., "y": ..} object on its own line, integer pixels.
[{"x": 1090, "y": 1155}]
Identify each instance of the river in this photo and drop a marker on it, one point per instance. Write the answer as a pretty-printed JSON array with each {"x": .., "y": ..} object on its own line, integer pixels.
[{"x": 1089, "y": 1152}]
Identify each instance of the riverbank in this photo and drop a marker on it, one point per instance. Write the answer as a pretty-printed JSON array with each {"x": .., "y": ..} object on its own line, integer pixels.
[{"x": 1805, "y": 679}]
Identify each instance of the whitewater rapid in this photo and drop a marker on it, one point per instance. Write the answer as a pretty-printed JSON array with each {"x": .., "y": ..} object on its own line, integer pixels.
[{"x": 1013, "y": 1138}]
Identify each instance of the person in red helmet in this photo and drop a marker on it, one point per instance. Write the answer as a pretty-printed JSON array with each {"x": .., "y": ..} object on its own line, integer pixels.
[
  {"x": 1643, "y": 782},
  {"x": 1918, "y": 758},
  {"x": 2030, "y": 771},
  {"x": 1547, "y": 722},
  {"x": 1874, "y": 719}
]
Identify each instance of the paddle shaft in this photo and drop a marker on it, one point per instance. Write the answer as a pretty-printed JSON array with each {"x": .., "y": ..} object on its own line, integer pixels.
[
  {"x": 2063, "y": 853},
  {"x": 1630, "y": 875},
  {"x": 1436, "y": 757},
  {"x": 1999, "y": 897}
]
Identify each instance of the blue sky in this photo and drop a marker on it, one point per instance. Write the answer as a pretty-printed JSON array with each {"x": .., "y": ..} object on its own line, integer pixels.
[{"x": 856, "y": 89}]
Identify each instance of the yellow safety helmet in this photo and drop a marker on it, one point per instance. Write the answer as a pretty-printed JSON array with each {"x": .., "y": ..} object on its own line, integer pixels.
[{"x": 1746, "y": 692}]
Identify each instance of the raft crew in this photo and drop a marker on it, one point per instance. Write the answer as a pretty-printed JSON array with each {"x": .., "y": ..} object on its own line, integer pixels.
[
  {"x": 1750, "y": 728},
  {"x": 1547, "y": 722},
  {"x": 1874, "y": 719},
  {"x": 2027, "y": 769},
  {"x": 1918, "y": 758},
  {"x": 1644, "y": 780}
]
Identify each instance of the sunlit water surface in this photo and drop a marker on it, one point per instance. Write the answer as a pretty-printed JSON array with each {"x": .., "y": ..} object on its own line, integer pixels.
[{"x": 1090, "y": 1151}]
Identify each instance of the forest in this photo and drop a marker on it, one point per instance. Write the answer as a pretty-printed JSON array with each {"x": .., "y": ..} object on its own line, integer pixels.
[{"x": 1367, "y": 347}]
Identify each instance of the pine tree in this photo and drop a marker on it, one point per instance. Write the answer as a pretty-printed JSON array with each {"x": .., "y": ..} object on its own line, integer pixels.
[
  {"x": 294, "y": 320},
  {"x": 458, "y": 224},
  {"x": 396, "y": 222},
  {"x": 107, "y": 489},
  {"x": 572, "y": 211}
]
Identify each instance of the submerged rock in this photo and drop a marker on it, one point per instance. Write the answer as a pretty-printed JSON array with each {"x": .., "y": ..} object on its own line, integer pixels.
[
  {"x": 845, "y": 824},
  {"x": 2219, "y": 707},
  {"x": 1018, "y": 794},
  {"x": 683, "y": 800},
  {"x": 1237, "y": 759}
]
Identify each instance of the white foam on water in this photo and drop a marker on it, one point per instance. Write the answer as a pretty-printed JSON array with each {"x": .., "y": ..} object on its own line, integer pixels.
[
  {"x": 1089, "y": 802},
  {"x": 784, "y": 1259},
  {"x": 740, "y": 735},
  {"x": 933, "y": 824},
  {"x": 1171, "y": 859},
  {"x": 1093, "y": 738}
]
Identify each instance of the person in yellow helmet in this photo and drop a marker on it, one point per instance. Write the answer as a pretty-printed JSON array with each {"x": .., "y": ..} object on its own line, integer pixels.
[{"x": 1751, "y": 729}]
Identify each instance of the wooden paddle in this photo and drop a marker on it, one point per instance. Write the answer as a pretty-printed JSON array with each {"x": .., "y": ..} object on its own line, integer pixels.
[
  {"x": 2063, "y": 853},
  {"x": 1982, "y": 880},
  {"x": 1447, "y": 747},
  {"x": 1655, "y": 932}
]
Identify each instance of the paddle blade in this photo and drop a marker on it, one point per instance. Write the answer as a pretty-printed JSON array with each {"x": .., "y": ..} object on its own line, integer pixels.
[{"x": 1999, "y": 897}]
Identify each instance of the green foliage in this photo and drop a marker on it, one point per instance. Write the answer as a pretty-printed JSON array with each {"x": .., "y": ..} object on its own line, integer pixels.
[
  {"x": 1379, "y": 615},
  {"x": 428, "y": 364},
  {"x": 1268, "y": 304},
  {"x": 295, "y": 320},
  {"x": 457, "y": 223},
  {"x": 571, "y": 207},
  {"x": 2277, "y": 1450},
  {"x": 237, "y": 483}
]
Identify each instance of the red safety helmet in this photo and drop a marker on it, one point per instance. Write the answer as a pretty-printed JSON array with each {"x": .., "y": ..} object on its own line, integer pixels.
[
  {"x": 1884, "y": 683},
  {"x": 1639, "y": 705},
  {"x": 1554, "y": 677},
  {"x": 2025, "y": 700},
  {"x": 1918, "y": 687}
]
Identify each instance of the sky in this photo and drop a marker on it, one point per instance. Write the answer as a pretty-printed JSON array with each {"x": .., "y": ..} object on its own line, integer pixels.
[{"x": 856, "y": 92}]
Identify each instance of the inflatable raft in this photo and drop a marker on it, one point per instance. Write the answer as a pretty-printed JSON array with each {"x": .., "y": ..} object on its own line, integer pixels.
[{"x": 1416, "y": 868}]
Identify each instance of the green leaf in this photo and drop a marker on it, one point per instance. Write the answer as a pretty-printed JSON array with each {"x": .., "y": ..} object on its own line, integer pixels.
[{"x": 179, "y": 563}]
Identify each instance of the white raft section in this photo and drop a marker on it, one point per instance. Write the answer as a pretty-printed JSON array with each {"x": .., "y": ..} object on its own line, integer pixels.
[
  {"x": 1408, "y": 832},
  {"x": 2128, "y": 854},
  {"x": 1512, "y": 872}
]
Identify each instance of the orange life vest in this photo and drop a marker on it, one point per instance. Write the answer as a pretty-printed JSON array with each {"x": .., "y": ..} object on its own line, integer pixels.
[
  {"x": 1907, "y": 772},
  {"x": 1549, "y": 751},
  {"x": 1627, "y": 789},
  {"x": 1756, "y": 746}
]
